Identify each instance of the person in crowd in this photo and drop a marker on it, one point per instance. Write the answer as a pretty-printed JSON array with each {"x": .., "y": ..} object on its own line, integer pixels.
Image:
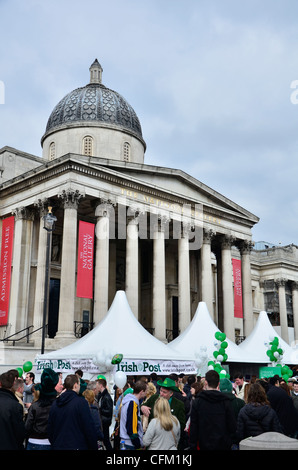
[
  {"x": 240, "y": 385},
  {"x": 37, "y": 420},
  {"x": 294, "y": 394},
  {"x": 117, "y": 413},
  {"x": 163, "y": 432},
  {"x": 70, "y": 424},
  {"x": 90, "y": 397},
  {"x": 195, "y": 389},
  {"x": 151, "y": 390},
  {"x": 12, "y": 426},
  {"x": 187, "y": 386},
  {"x": 59, "y": 386},
  {"x": 105, "y": 403},
  {"x": 131, "y": 429},
  {"x": 19, "y": 393},
  {"x": 257, "y": 416},
  {"x": 212, "y": 419},
  {"x": 226, "y": 387},
  {"x": 28, "y": 392},
  {"x": 166, "y": 390},
  {"x": 283, "y": 406}
]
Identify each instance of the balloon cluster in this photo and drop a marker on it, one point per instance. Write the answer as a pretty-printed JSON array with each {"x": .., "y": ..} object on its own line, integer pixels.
[
  {"x": 275, "y": 353},
  {"x": 27, "y": 366},
  {"x": 286, "y": 372},
  {"x": 220, "y": 355}
]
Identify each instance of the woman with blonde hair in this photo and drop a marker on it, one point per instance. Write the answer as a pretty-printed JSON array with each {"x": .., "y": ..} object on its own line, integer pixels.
[
  {"x": 163, "y": 432},
  {"x": 151, "y": 390}
]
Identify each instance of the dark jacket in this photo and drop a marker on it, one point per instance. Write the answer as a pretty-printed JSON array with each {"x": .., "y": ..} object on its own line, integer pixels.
[
  {"x": 176, "y": 405},
  {"x": 256, "y": 419},
  {"x": 284, "y": 407},
  {"x": 70, "y": 425},
  {"x": 36, "y": 424},
  {"x": 105, "y": 403},
  {"x": 212, "y": 421},
  {"x": 12, "y": 427},
  {"x": 97, "y": 421}
]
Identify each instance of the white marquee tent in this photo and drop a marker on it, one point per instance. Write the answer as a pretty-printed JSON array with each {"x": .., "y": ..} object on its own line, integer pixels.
[
  {"x": 259, "y": 339},
  {"x": 119, "y": 333},
  {"x": 198, "y": 341}
]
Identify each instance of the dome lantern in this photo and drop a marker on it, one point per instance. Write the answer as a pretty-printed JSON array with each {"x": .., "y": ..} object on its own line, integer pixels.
[{"x": 96, "y": 72}]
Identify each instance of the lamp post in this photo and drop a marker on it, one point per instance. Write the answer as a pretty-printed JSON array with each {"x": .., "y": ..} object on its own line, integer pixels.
[{"x": 49, "y": 225}]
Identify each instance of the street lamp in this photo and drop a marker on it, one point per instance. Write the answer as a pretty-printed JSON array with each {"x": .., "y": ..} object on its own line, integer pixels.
[{"x": 49, "y": 225}]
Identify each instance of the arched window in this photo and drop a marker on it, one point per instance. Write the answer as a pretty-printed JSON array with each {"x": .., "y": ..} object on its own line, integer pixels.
[
  {"x": 126, "y": 152},
  {"x": 88, "y": 146},
  {"x": 52, "y": 151}
]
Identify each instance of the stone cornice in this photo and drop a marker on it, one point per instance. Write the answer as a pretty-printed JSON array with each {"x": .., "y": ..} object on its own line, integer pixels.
[{"x": 85, "y": 165}]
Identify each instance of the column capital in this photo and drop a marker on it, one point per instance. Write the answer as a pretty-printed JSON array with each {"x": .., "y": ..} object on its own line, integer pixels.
[
  {"x": 103, "y": 208},
  {"x": 281, "y": 282},
  {"x": 23, "y": 213},
  {"x": 227, "y": 241},
  {"x": 208, "y": 235},
  {"x": 245, "y": 246},
  {"x": 41, "y": 206},
  {"x": 294, "y": 285},
  {"x": 70, "y": 198}
]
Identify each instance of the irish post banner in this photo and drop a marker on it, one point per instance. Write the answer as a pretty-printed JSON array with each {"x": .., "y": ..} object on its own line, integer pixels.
[
  {"x": 5, "y": 267},
  {"x": 85, "y": 260},
  {"x": 238, "y": 309}
]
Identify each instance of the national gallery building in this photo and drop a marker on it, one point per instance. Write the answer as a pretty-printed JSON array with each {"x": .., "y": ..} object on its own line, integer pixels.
[{"x": 159, "y": 234}]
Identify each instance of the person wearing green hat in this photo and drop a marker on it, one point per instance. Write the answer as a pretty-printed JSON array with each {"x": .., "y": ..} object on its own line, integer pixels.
[
  {"x": 167, "y": 389},
  {"x": 37, "y": 419}
]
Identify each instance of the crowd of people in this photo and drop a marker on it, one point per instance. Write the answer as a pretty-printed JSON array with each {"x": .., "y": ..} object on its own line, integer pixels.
[{"x": 187, "y": 413}]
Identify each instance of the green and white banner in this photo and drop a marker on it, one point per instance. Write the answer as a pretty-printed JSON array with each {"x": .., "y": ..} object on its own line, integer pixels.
[{"x": 128, "y": 366}]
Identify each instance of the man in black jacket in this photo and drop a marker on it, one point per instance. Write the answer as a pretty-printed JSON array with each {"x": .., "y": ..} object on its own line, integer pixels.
[
  {"x": 212, "y": 420},
  {"x": 12, "y": 427},
  {"x": 105, "y": 403}
]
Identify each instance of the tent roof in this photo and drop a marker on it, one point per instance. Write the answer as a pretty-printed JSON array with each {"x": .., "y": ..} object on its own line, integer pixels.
[
  {"x": 118, "y": 333},
  {"x": 262, "y": 333},
  {"x": 200, "y": 333}
]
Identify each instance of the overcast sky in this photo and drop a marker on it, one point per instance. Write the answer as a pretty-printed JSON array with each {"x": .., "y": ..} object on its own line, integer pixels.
[{"x": 209, "y": 80}]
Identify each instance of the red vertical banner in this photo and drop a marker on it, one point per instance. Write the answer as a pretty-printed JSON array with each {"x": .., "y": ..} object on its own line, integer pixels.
[
  {"x": 85, "y": 260},
  {"x": 238, "y": 308},
  {"x": 5, "y": 267}
]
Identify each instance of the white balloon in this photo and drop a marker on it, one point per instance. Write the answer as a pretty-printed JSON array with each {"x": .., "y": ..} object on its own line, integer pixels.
[
  {"x": 219, "y": 358},
  {"x": 120, "y": 379}
]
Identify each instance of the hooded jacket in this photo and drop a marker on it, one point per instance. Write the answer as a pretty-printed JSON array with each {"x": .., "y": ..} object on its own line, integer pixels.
[
  {"x": 212, "y": 421},
  {"x": 131, "y": 429},
  {"x": 70, "y": 423},
  {"x": 254, "y": 419}
]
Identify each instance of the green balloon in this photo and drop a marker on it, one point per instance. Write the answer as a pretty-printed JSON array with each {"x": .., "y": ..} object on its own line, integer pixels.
[
  {"x": 224, "y": 344},
  {"x": 27, "y": 366},
  {"x": 217, "y": 335},
  {"x": 20, "y": 371}
]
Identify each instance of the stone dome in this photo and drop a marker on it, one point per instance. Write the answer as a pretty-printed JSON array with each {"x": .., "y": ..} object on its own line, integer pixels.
[{"x": 94, "y": 105}]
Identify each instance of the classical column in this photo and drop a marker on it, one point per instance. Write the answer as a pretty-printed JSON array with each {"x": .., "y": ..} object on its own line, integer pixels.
[
  {"x": 132, "y": 264},
  {"x": 227, "y": 287},
  {"x": 101, "y": 281},
  {"x": 70, "y": 199},
  {"x": 20, "y": 279},
  {"x": 183, "y": 281},
  {"x": 42, "y": 207},
  {"x": 159, "y": 281},
  {"x": 294, "y": 285},
  {"x": 281, "y": 283},
  {"x": 245, "y": 250},
  {"x": 207, "y": 276}
]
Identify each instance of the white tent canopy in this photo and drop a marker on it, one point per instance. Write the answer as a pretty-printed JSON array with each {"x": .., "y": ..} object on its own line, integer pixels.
[
  {"x": 198, "y": 340},
  {"x": 258, "y": 341},
  {"x": 118, "y": 333}
]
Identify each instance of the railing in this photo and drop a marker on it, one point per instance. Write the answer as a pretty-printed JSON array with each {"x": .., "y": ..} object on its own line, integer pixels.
[
  {"x": 81, "y": 328},
  {"x": 171, "y": 334},
  {"x": 20, "y": 338}
]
